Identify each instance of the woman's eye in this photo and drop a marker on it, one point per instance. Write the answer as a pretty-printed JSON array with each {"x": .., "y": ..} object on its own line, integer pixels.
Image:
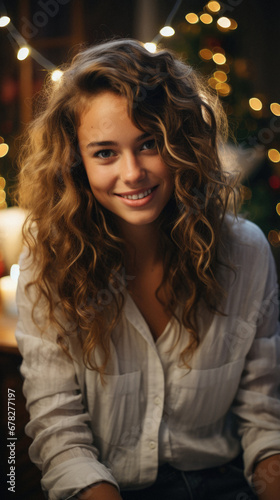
[
  {"x": 151, "y": 144},
  {"x": 104, "y": 154}
]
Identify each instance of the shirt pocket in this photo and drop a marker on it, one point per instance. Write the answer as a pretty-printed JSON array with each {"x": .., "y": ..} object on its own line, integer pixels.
[
  {"x": 115, "y": 409},
  {"x": 198, "y": 398}
]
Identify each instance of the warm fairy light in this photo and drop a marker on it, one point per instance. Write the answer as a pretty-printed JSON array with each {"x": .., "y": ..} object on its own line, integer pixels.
[
  {"x": 273, "y": 238},
  {"x": 4, "y": 21},
  {"x": 151, "y": 47},
  {"x": 206, "y": 54},
  {"x": 213, "y": 6},
  {"x": 275, "y": 108},
  {"x": 278, "y": 208},
  {"x": 23, "y": 53},
  {"x": 213, "y": 83},
  {"x": 223, "y": 89},
  {"x": 224, "y": 22},
  {"x": 56, "y": 75},
  {"x": 255, "y": 104},
  {"x": 220, "y": 76},
  {"x": 219, "y": 58},
  {"x": 4, "y": 148},
  {"x": 206, "y": 18},
  {"x": 167, "y": 31},
  {"x": 273, "y": 155},
  {"x": 233, "y": 24},
  {"x": 2, "y": 183},
  {"x": 192, "y": 18}
]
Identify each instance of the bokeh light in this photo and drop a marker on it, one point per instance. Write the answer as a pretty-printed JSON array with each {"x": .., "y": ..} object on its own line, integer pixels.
[
  {"x": 192, "y": 18},
  {"x": 213, "y": 6},
  {"x": 151, "y": 47},
  {"x": 167, "y": 31},
  {"x": 275, "y": 108},
  {"x": 206, "y": 54},
  {"x": 274, "y": 238},
  {"x": 273, "y": 155},
  {"x": 4, "y": 21},
  {"x": 4, "y": 148},
  {"x": 56, "y": 75},
  {"x": 23, "y": 53},
  {"x": 206, "y": 18},
  {"x": 219, "y": 58},
  {"x": 255, "y": 104},
  {"x": 224, "y": 22}
]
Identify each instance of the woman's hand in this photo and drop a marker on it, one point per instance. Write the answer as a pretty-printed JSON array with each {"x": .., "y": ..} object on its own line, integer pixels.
[
  {"x": 266, "y": 478},
  {"x": 101, "y": 491}
]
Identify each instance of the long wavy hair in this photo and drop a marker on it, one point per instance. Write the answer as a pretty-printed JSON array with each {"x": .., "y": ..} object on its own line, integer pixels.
[{"x": 74, "y": 240}]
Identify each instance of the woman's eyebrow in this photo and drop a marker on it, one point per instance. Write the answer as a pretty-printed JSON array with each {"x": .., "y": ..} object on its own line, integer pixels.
[{"x": 113, "y": 143}]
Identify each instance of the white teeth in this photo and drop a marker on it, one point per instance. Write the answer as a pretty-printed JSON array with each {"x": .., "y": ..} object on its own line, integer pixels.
[{"x": 138, "y": 196}]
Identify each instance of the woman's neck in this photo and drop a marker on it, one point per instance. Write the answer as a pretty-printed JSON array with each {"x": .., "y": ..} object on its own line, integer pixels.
[{"x": 142, "y": 245}]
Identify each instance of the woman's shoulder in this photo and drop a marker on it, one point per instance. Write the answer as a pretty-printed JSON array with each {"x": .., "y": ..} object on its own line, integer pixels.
[{"x": 240, "y": 232}]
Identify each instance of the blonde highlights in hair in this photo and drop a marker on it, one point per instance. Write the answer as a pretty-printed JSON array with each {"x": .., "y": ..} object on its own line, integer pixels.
[{"x": 77, "y": 250}]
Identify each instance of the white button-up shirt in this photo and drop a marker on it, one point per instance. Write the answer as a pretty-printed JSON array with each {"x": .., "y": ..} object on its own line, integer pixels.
[{"x": 152, "y": 409}]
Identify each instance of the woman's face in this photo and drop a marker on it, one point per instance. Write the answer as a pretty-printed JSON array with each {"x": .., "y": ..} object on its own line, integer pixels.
[{"x": 126, "y": 174}]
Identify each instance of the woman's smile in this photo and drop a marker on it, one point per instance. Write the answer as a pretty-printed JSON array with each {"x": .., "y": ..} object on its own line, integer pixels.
[{"x": 125, "y": 171}]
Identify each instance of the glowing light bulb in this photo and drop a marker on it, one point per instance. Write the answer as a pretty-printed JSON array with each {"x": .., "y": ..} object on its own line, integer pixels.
[
  {"x": 56, "y": 75},
  {"x": 213, "y": 6},
  {"x": 224, "y": 22},
  {"x": 255, "y": 104},
  {"x": 23, "y": 53},
  {"x": 219, "y": 58},
  {"x": 167, "y": 31},
  {"x": 4, "y": 148},
  {"x": 206, "y": 18},
  {"x": 220, "y": 76},
  {"x": 151, "y": 47},
  {"x": 205, "y": 54},
  {"x": 275, "y": 108},
  {"x": 273, "y": 155},
  {"x": 192, "y": 18},
  {"x": 4, "y": 21}
]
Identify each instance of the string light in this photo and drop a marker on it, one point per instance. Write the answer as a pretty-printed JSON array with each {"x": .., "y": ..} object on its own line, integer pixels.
[
  {"x": 224, "y": 22},
  {"x": 4, "y": 21},
  {"x": 275, "y": 108},
  {"x": 273, "y": 155},
  {"x": 56, "y": 75},
  {"x": 206, "y": 18},
  {"x": 151, "y": 47},
  {"x": 206, "y": 54},
  {"x": 255, "y": 104},
  {"x": 23, "y": 53},
  {"x": 167, "y": 31},
  {"x": 278, "y": 208},
  {"x": 192, "y": 18},
  {"x": 219, "y": 58},
  {"x": 213, "y": 6},
  {"x": 4, "y": 148}
]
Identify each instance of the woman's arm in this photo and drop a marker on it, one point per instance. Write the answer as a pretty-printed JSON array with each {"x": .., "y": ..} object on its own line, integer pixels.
[
  {"x": 101, "y": 491},
  {"x": 266, "y": 478}
]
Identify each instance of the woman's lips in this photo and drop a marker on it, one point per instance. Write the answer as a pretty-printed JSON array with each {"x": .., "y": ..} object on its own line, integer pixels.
[{"x": 138, "y": 198}]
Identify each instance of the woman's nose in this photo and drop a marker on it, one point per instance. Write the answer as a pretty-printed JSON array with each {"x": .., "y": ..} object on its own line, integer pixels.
[{"x": 132, "y": 171}]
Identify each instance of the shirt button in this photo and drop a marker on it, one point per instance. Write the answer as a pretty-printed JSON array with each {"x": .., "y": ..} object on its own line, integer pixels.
[
  {"x": 152, "y": 445},
  {"x": 157, "y": 400}
]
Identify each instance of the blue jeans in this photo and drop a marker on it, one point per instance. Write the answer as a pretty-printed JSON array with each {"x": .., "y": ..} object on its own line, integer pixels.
[{"x": 219, "y": 483}]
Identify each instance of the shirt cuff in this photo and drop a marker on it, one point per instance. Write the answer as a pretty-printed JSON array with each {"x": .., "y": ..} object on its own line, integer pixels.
[{"x": 68, "y": 479}]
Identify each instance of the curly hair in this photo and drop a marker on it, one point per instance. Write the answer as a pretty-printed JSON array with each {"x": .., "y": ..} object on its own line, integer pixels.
[{"x": 76, "y": 247}]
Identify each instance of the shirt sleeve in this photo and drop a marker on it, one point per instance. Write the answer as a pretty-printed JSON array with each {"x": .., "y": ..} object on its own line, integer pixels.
[
  {"x": 257, "y": 403},
  {"x": 62, "y": 444}
]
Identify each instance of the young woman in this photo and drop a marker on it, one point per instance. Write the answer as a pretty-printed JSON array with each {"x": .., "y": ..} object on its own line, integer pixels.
[{"x": 147, "y": 312}]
